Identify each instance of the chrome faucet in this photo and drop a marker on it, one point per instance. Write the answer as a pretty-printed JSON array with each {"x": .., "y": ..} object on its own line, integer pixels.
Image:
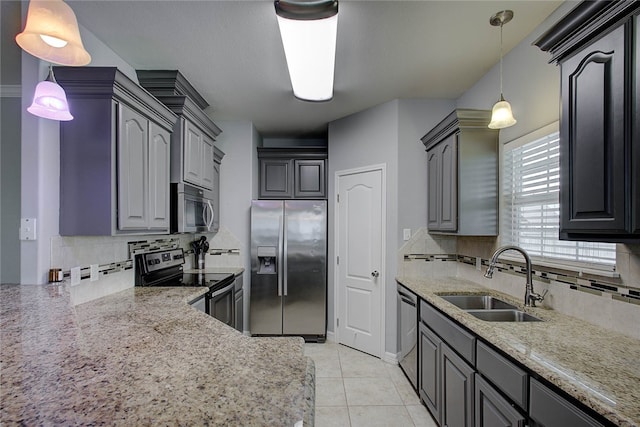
[{"x": 530, "y": 297}]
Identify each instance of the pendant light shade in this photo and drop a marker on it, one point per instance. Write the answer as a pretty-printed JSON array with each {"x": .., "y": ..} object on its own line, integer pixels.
[
  {"x": 501, "y": 114},
  {"x": 51, "y": 34},
  {"x": 308, "y": 30},
  {"x": 50, "y": 100}
]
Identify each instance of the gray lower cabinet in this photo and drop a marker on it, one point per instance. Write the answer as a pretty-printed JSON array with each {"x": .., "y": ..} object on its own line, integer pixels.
[
  {"x": 429, "y": 345},
  {"x": 114, "y": 157},
  {"x": 464, "y": 381},
  {"x": 457, "y": 389},
  {"x": 549, "y": 409},
  {"x": 493, "y": 410},
  {"x": 238, "y": 295}
]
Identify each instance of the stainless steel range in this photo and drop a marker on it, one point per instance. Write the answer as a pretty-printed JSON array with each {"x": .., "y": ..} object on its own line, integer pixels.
[{"x": 165, "y": 268}]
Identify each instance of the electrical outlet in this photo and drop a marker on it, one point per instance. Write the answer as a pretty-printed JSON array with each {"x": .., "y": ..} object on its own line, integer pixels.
[
  {"x": 94, "y": 273},
  {"x": 27, "y": 229},
  {"x": 75, "y": 276},
  {"x": 406, "y": 234}
]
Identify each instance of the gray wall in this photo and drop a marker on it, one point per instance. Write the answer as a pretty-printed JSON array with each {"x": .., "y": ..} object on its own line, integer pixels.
[{"x": 10, "y": 104}]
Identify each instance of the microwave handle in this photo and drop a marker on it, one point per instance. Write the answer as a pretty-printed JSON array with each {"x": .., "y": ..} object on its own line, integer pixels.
[{"x": 210, "y": 220}]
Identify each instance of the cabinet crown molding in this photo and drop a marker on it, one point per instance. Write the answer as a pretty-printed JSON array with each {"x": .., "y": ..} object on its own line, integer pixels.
[
  {"x": 169, "y": 82},
  {"x": 182, "y": 105},
  {"x": 111, "y": 83},
  {"x": 293, "y": 152},
  {"x": 586, "y": 22},
  {"x": 459, "y": 119}
]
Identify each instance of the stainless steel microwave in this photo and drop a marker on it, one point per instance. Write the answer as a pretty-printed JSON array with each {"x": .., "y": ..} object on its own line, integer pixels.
[{"x": 191, "y": 209}]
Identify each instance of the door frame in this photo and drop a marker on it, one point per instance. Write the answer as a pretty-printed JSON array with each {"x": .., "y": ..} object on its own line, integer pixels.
[{"x": 382, "y": 167}]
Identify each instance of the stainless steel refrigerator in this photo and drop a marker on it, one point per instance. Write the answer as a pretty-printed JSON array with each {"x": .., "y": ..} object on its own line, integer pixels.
[{"x": 289, "y": 268}]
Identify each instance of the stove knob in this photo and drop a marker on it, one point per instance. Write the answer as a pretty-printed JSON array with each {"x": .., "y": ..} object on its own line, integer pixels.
[
  {"x": 157, "y": 261},
  {"x": 150, "y": 261}
]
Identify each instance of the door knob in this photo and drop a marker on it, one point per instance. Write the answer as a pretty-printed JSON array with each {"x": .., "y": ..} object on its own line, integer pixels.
[{"x": 375, "y": 273}]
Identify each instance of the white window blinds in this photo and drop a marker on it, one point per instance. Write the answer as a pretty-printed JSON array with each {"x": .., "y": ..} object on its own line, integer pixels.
[{"x": 531, "y": 214}]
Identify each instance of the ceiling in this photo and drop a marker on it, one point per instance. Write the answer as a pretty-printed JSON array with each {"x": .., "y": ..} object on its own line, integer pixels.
[{"x": 231, "y": 52}]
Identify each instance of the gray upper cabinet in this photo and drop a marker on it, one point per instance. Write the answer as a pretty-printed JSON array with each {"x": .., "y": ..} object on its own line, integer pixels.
[
  {"x": 194, "y": 134},
  {"x": 599, "y": 127},
  {"x": 114, "y": 155},
  {"x": 462, "y": 170},
  {"x": 292, "y": 173}
]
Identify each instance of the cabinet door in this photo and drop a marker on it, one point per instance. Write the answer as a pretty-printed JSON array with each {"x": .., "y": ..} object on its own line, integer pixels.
[
  {"x": 309, "y": 178},
  {"x": 239, "y": 311},
  {"x": 493, "y": 410},
  {"x": 457, "y": 387},
  {"x": 429, "y": 380},
  {"x": 207, "y": 163},
  {"x": 193, "y": 147},
  {"x": 132, "y": 169},
  {"x": 592, "y": 138},
  {"x": 275, "y": 179},
  {"x": 159, "y": 147},
  {"x": 448, "y": 212},
  {"x": 635, "y": 138},
  {"x": 433, "y": 185}
]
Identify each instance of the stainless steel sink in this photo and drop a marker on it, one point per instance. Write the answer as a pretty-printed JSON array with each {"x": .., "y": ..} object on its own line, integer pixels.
[
  {"x": 477, "y": 302},
  {"x": 503, "y": 316}
]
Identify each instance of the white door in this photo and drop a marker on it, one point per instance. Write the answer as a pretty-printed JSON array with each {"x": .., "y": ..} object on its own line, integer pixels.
[{"x": 360, "y": 271}]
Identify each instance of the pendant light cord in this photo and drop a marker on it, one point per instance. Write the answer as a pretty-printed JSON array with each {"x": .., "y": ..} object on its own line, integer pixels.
[{"x": 501, "y": 96}]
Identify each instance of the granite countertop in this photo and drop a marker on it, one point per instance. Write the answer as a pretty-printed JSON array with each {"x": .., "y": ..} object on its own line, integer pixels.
[
  {"x": 598, "y": 367},
  {"x": 142, "y": 356}
]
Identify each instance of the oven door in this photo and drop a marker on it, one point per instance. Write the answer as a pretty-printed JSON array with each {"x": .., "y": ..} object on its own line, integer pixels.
[
  {"x": 221, "y": 304},
  {"x": 192, "y": 209}
]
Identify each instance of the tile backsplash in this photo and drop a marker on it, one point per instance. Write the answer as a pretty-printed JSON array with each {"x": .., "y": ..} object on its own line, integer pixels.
[
  {"x": 114, "y": 257},
  {"x": 610, "y": 302}
]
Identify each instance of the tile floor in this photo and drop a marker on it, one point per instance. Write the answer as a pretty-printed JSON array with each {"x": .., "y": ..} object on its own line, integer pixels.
[{"x": 354, "y": 389}]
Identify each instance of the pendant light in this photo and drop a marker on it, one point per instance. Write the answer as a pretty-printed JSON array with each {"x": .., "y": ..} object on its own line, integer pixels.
[
  {"x": 50, "y": 101},
  {"x": 51, "y": 33},
  {"x": 501, "y": 115},
  {"x": 308, "y": 30}
]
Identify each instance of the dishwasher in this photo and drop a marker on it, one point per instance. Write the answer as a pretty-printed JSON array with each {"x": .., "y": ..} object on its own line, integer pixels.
[{"x": 408, "y": 333}]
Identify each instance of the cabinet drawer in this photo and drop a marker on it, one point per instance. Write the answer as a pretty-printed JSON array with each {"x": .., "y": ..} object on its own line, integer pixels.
[
  {"x": 456, "y": 337},
  {"x": 551, "y": 410},
  {"x": 502, "y": 373}
]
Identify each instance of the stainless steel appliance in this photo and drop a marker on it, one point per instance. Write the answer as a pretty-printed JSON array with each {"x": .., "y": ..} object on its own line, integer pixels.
[
  {"x": 289, "y": 268},
  {"x": 408, "y": 334},
  {"x": 165, "y": 268},
  {"x": 191, "y": 209}
]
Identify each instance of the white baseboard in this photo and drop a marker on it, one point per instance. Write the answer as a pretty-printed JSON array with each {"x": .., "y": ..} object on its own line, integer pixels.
[
  {"x": 331, "y": 336},
  {"x": 390, "y": 358}
]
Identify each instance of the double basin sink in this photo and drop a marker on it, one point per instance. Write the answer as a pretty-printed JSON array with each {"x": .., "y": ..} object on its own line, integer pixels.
[{"x": 489, "y": 308}]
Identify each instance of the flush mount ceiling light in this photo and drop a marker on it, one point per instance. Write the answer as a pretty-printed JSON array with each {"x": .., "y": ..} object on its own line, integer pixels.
[
  {"x": 501, "y": 115},
  {"x": 51, "y": 34},
  {"x": 308, "y": 30},
  {"x": 50, "y": 101}
]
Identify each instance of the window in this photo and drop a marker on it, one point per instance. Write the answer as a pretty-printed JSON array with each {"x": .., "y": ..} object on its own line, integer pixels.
[{"x": 531, "y": 213}]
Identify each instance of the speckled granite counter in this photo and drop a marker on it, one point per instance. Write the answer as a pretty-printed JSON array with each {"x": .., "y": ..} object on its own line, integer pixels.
[
  {"x": 142, "y": 357},
  {"x": 598, "y": 367}
]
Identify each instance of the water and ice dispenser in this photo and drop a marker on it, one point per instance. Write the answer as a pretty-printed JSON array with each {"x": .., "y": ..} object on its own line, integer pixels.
[{"x": 267, "y": 260}]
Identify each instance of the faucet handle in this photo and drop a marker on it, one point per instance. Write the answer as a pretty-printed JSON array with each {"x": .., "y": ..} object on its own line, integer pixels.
[{"x": 544, "y": 294}]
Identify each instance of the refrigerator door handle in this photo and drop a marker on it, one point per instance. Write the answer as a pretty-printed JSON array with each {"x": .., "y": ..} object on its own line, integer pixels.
[
  {"x": 280, "y": 255},
  {"x": 284, "y": 259}
]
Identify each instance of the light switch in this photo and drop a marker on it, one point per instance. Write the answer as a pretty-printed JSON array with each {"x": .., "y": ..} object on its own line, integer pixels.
[
  {"x": 28, "y": 229},
  {"x": 406, "y": 233}
]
